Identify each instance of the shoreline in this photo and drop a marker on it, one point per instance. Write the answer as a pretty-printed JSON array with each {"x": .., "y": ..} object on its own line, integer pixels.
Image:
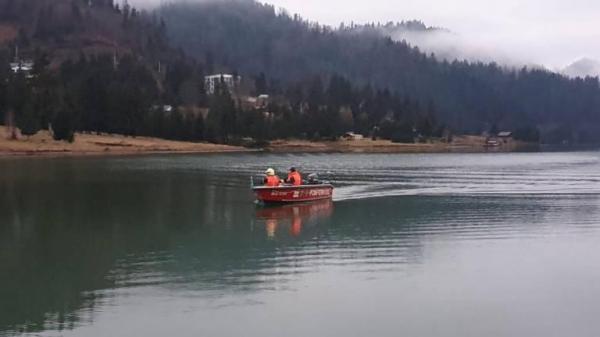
[
  {"x": 461, "y": 144},
  {"x": 90, "y": 145},
  {"x": 65, "y": 154}
]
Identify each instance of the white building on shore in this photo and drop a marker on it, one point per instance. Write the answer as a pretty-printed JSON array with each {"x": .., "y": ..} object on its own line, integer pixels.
[
  {"x": 229, "y": 81},
  {"x": 22, "y": 66}
]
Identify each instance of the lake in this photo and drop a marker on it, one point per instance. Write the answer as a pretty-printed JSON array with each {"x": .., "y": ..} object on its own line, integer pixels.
[{"x": 412, "y": 245}]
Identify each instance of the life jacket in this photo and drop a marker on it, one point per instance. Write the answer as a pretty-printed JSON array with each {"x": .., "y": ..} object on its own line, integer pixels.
[
  {"x": 295, "y": 178},
  {"x": 272, "y": 181}
]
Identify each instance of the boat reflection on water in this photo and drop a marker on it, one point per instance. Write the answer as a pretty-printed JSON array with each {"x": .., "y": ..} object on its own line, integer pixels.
[{"x": 293, "y": 217}]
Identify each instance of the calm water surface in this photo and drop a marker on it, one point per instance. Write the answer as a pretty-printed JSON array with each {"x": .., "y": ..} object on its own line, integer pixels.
[{"x": 413, "y": 245}]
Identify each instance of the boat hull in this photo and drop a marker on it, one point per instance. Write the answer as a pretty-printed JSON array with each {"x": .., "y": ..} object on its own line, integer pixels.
[{"x": 292, "y": 194}]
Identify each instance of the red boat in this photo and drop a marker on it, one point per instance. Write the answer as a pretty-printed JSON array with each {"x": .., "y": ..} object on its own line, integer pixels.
[{"x": 289, "y": 194}]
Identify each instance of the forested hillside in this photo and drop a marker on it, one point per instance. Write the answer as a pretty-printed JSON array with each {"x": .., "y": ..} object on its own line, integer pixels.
[{"x": 253, "y": 38}]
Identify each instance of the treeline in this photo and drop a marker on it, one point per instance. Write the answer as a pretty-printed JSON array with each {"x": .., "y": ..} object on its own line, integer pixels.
[
  {"x": 94, "y": 94},
  {"x": 317, "y": 109},
  {"x": 255, "y": 38},
  {"x": 321, "y": 108},
  {"x": 102, "y": 94}
]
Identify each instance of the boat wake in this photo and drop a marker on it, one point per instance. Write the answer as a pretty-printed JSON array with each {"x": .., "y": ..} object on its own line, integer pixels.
[{"x": 574, "y": 178}]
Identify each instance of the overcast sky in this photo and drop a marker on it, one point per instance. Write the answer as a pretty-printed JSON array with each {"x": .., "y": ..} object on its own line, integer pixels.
[{"x": 549, "y": 32}]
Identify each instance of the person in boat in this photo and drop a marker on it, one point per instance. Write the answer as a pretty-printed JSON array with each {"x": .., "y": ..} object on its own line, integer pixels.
[
  {"x": 271, "y": 179},
  {"x": 294, "y": 177}
]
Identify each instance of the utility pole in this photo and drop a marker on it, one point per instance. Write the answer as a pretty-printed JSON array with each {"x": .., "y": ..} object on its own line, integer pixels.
[{"x": 115, "y": 61}]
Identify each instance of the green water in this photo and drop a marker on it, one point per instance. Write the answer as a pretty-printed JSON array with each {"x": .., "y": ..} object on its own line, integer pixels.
[{"x": 412, "y": 245}]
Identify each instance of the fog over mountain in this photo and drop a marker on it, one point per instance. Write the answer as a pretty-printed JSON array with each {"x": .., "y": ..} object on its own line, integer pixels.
[
  {"x": 583, "y": 67},
  {"x": 448, "y": 45},
  {"x": 552, "y": 33}
]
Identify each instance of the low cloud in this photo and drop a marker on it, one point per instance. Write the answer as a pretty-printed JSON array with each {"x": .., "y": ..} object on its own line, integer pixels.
[{"x": 453, "y": 46}]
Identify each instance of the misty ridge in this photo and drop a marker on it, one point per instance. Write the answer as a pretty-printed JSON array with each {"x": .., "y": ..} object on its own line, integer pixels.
[
  {"x": 443, "y": 43},
  {"x": 448, "y": 45}
]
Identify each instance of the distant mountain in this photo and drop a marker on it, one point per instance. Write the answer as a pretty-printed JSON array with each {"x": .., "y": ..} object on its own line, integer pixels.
[{"x": 582, "y": 68}]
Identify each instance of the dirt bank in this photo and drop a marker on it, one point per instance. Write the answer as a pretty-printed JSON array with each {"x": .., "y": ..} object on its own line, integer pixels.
[{"x": 106, "y": 144}]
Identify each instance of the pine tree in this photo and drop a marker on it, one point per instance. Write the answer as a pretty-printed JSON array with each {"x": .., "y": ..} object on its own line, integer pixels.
[
  {"x": 4, "y": 76},
  {"x": 63, "y": 123},
  {"x": 260, "y": 84},
  {"x": 222, "y": 116},
  {"x": 28, "y": 121},
  {"x": 198, "y": 128}
]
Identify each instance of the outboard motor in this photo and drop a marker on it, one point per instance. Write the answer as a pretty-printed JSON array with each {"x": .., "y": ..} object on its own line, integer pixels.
[{"x": 313, "y": 179}]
